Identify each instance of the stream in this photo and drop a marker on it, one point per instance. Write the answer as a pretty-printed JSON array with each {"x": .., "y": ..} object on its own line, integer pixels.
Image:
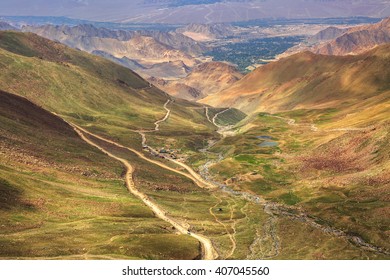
[{"x": 274, "y": 209}]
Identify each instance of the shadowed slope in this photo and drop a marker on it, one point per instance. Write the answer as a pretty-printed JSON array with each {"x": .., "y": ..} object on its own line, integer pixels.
[{"x": 61, "y": 198}]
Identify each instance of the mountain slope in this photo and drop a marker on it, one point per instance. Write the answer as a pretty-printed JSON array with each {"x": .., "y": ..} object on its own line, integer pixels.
[
  {"x": 357, "y": 40},
  {"x": 115, "y": 104},
  {"x": 67, "y": 34},
  {"x": 327, "y": 34},
  {"x": 206, "y": 32},
  {"x": 112, "y": 102},
  {"x": 205, "y": 79},
  {"x": 315, "y": 139},
  {"x": 83, "y": 87},
  {"x": 148, "y": 48},
  {"x": 61, "y": 198},
  {"x": 142, "y": 48},
  {"x": 306, "y": 80}
]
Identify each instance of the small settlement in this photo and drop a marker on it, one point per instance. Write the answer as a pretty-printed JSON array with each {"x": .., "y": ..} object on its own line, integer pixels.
[{"x": 163, "y": 153}]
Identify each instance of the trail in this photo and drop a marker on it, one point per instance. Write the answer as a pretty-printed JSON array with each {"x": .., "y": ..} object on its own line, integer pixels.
[
  {"x": 196, "y": 179},
  {"x": 314, "y": 128},
  {"x": 223, "y": 130},
  {"x": 157, "y": 123},
  {"x": 193, "y": 175},
  {"x": 216, "y": 116},
  {"x": 289, "y": 121},
  {"x": 209, "y": 251},
  {"x": 275, "y": 209},
  {"x": 269, "y": 228},
  {"x": 231, "y": 236},
  {"x": 207, "y": 114}
]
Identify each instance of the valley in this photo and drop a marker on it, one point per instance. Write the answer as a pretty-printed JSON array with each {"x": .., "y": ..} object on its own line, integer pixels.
[
  {"x": 175, "y": 58},
  {"x": 289, "y": 160}
]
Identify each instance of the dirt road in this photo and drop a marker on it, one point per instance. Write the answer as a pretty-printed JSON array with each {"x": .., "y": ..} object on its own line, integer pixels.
[
  {"x": 216, "y": 116},
  {"x": 196, "y": 179},
  {"x": 209, "y": 253},
  {"x": 193, "y": 175},
  {"x": 157, "y": 123}
]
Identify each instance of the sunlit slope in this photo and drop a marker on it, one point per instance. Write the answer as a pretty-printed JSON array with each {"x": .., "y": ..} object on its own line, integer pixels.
[
  {"x": 309, "y": 81},
  {"x": 316, "y": 139},
  {"x": 61, "y": 198},
  {"x": 87, "y": 89}
]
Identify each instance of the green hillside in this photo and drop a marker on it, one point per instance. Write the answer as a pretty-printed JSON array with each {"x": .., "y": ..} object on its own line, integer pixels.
[
  {"x": 90, "y": 90},
  {"x": 316, "y": 138},
  {"x": 61, "y": 198}
]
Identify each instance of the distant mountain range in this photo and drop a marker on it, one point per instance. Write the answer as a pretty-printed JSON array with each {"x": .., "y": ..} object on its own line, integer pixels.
[
  {"x": 149, "y": 52},
  {"x": 356, "y": 40},
  {"x": 6, "y": 26},
  {"x": 206, "y": 11},
  {"x": 336, "y": 41}
]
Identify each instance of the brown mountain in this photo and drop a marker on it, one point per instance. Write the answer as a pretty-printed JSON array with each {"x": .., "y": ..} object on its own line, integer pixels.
[
  {"x": 311, "y": 81},
  {"x": 357, "y": 40},
  {"x": 327, "y": 34},
  {"x": 173, "y": 39},
  {"x": 205, "y": 79},
  {"x": 151, "y": 53},
  {"x": 90, "y": 39}
]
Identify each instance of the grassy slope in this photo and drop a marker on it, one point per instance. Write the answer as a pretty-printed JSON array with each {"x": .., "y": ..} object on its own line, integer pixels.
[
  {"x": 73, "y": 206},
  {"x": 341, "y": 177},
  {"x": 86, "y": 89},
  {"x": 110, "y": 100},
  {"x": 89, "y": 90}
]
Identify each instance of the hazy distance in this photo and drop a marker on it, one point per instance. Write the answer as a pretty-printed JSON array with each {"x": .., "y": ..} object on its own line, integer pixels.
[{"x": 183, "y": 11}]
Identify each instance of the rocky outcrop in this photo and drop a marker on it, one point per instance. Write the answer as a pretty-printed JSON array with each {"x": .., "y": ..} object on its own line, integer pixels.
[
  {"x": 327, "y": 34},
  {"x": 357, "y": 40}
]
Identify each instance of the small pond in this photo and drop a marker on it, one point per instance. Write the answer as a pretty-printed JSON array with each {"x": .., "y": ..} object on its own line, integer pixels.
[
  {"x": 268, "y": 144},
  {"x": 267, "y": 141}
]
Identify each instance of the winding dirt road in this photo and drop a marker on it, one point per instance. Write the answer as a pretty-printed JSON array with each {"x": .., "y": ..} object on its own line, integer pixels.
[
  {"x": 194, "y": 176},
  {"x": 200, "y": 182},
  {"x": 216, "y": 116},
  {"x": 208, "y": 248},
  {"x": 157, "y": 123},
  {"x": 207, "y": 114}
]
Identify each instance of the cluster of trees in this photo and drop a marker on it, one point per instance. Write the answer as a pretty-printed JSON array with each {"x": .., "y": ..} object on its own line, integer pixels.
[{"x": 253, "y": 51}]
